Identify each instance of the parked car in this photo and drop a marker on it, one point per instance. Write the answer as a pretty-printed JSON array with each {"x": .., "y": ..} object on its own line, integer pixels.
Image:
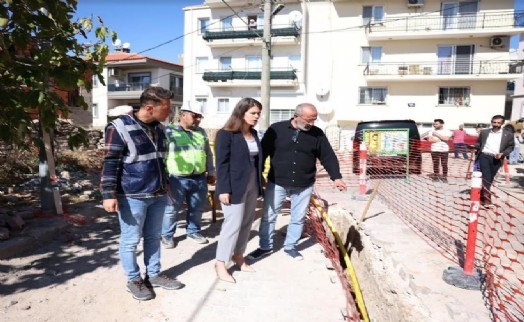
[{"x": 393, "y": 147}]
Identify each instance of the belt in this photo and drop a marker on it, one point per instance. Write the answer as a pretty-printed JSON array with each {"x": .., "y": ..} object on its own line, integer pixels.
[
  {"x": 489, "y": 153},
  {"x": 191, "y": 176}
]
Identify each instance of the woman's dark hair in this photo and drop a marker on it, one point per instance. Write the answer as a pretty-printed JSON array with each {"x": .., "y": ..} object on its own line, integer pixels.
[{"x": 236, "y": 120}]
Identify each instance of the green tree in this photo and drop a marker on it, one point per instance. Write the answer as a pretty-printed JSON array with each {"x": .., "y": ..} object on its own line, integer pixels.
[{"x": 41, "y": 47}]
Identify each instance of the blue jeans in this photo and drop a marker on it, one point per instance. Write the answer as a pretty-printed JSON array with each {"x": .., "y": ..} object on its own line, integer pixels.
[
  {"x": 274, "y": 197},
  {"x": 460, "y": 148},
  {"x": 192, "y": 190},
  {"x": 140, "y": 218}
]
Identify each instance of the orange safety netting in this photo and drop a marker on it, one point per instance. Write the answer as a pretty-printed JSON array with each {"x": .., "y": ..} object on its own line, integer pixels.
[
  {"x": 437, "y": 209},
  {"x": 317, "y": 227}
]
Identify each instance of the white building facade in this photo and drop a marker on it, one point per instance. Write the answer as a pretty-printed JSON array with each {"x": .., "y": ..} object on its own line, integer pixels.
[
  {"x": 355, "y": 60},
  {"x": 127, "y": 75}
]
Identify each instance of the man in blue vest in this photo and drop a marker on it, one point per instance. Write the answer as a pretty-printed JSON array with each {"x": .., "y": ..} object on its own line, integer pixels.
[
  {"x": 134, "y": 184},
  {"x": 190, "y": 168}
]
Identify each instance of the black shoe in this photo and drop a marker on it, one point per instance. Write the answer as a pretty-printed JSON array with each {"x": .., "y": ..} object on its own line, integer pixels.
[
  {"x": 259, "y": 253},
  {"x": 139, "y": 290},
  {"x": 164, "y": 282}
]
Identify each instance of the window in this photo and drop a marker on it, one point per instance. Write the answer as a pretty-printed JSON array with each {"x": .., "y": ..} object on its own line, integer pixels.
[
  {"x": 372, "y": 14},
  {"x": 459, "y": 14},
  {"x": 138, "y": 81},
  {"x": 201, "y": 64},
  {"x": 454, "y": 60},
  {"x": 260, "y": 21},
  {"x": 95, "y": 81},
  {"x": 223, "y": 105},
  {"x": 224, "y": 63},
  {"x": 175, "y": 84},
  {"x": 371, "y": 55},
  {"x": 280, "y": 115},
  {"x": 94, "y": 110},
  {"x": 373, "y": 95},
  {"x": 252, "y": 22},
  {"x": 459, "y": 96},
  {"x": 253, "y": 63},
  {"x": 294, "y": 62},
  {"x": 203, "y": 101},
  {"x": 203, "y": 23},
  {"x": 227, "y": 23}
]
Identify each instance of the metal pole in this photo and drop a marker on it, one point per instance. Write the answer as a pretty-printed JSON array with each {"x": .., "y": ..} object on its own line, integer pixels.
[{"x": 265, "y": 88}]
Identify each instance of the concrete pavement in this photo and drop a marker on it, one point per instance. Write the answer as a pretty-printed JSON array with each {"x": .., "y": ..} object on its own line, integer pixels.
[{"x": 400, "y": 276}]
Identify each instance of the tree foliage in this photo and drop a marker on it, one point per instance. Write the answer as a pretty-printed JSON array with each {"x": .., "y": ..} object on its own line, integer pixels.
[{"x": 43, "y": 48}]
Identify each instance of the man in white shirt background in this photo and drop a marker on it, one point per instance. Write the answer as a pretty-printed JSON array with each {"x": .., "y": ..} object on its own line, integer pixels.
[
  {"x": 439, "y": 138},
  {"x": 493, "y": 145}
]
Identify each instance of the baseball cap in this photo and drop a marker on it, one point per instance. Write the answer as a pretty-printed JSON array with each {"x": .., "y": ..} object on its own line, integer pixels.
[{"x": 195, "y": 107}]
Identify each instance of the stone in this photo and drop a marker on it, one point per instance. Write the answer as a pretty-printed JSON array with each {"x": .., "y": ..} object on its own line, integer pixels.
[
  {"x": 4, "y": 233},
  {"x": 15, "y": 222}
]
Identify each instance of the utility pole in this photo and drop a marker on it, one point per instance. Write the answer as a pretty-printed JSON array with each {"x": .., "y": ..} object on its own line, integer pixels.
[{"x": 265, "y": 88}]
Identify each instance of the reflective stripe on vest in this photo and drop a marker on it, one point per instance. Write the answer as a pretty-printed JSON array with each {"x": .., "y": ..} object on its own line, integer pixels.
[
  {"x": 186, "y": 154},
  {"x": 134, "y": 155}
]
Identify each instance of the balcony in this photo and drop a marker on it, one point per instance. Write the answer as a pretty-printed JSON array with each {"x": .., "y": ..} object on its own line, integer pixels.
[
  {"x": 444, "y": 70},
  {"x": 282, "y": 34},
  {"x": 125, "y": 90},
  {"x": 434, "y": 25},
  {"x": 249, "y": 78}
]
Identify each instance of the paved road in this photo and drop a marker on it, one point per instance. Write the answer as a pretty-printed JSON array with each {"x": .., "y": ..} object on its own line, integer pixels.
[{"x": 77, "y": 277}]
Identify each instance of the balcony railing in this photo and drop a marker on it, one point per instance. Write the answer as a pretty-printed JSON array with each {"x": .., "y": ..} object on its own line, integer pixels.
[
  {"x": 442, "y": 68},
  {"x": 215, "y": 76},
  {"x": 245, "y": 32},
  {"x": 123, "y": 87},
  {"x": 437, "y": 22}
]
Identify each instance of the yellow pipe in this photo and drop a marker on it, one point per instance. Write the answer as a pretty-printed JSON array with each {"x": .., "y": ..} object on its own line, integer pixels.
[{"x": 350, "y": 270}]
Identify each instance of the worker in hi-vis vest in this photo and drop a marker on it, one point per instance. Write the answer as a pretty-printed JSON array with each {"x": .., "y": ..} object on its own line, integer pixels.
[{"x": 190, "y": 168}]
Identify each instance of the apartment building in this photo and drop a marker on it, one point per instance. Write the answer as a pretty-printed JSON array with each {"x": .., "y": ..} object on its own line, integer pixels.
[
  {"x": 518, "y": 85},
  {"x": 127, "y": 75},
  {"x": 355, "y": 60}
]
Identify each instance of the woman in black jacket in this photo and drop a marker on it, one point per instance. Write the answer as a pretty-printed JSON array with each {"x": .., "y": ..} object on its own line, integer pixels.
[{"x": 239, "y": 184}]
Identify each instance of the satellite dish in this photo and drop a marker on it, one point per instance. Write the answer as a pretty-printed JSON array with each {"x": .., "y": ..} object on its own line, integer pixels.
[
  {"x": 126, "y": 45},
  {"x": 295, "y": 17},
  {"x": 117, "y": 43},
  {"x": 322, "y": 92}
]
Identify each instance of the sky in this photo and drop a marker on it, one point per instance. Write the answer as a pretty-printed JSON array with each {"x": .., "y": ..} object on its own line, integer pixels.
[
  {"x": 143, "y": 24},
  {"x": 148, "y": 24}
]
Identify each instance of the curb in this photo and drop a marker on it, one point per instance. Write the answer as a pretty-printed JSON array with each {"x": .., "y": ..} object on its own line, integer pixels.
[{"x": 32, "y": 237}]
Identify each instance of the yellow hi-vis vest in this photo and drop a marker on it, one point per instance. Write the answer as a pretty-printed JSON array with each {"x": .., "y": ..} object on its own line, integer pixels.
[{"x": 186, "y": 155}]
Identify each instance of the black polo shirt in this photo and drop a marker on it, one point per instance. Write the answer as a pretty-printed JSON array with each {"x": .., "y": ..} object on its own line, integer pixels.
[{"x": 294, "y": 155}]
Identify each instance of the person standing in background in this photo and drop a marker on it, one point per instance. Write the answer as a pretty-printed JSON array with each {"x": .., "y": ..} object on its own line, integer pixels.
[
  {"x": 439, "y": 149},
  {"x": 459, "y": 142},
  {"x": 189, "y": 162},
  {"x": 513, "y": 157},
  {"x": 239, "y": 184},
  {"x": 492, "y": 146}
]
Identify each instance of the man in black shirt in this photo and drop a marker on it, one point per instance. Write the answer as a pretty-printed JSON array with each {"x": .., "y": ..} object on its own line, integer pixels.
[{"x": 293, "y": 147}]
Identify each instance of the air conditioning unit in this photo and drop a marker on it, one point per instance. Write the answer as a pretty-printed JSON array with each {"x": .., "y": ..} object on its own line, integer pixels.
[
  {"x": 114, "y": 72},
  {"x": 415, "y": 3},
  {"x": 498, "y": 42}
]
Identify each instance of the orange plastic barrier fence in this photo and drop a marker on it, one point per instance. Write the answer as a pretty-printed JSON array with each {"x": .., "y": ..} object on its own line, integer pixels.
[{"x": 436, "y": 207}]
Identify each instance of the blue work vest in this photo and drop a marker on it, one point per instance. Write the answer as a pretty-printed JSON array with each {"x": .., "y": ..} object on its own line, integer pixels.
[{"x": 143, "y": 171}]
